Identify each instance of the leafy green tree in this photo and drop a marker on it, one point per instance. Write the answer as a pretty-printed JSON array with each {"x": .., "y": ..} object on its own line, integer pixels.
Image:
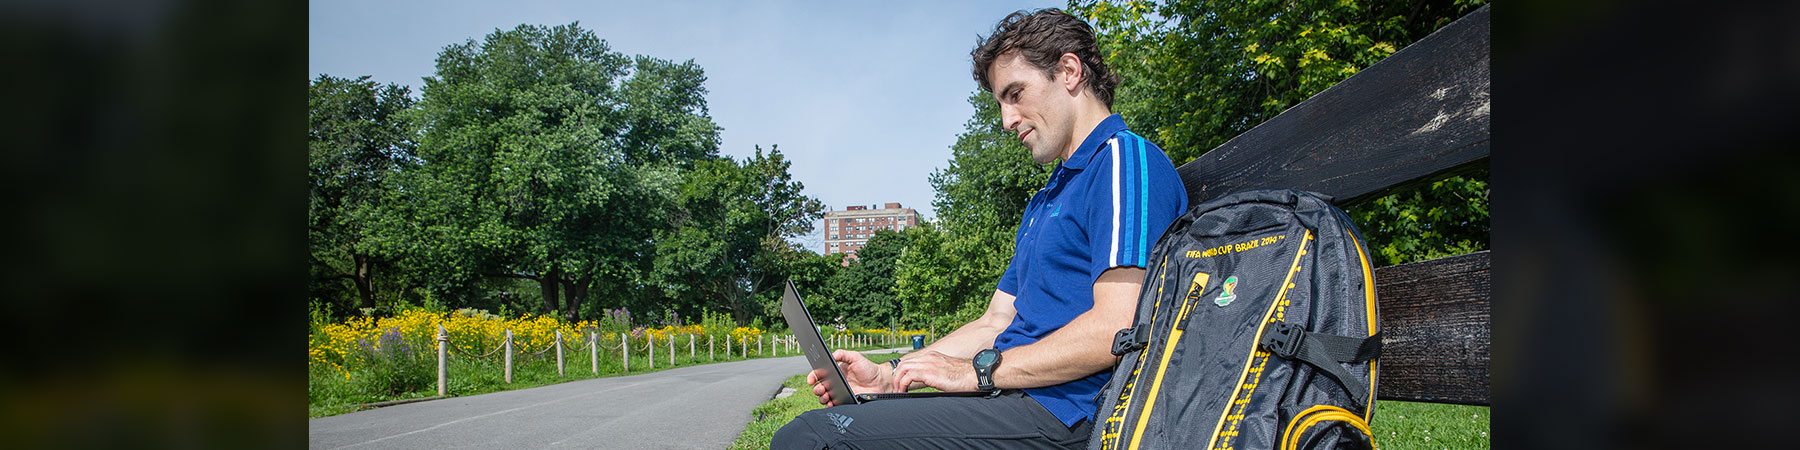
[
  {"x": 812, "y": 274},
  {"x": 357, "y": 138},
  {"x": 1199, "y": 72},
  {"x": 726, "y": 247},
  {"x": 546, "y": 156},
  {"x": 980, "y": 198},
  {"x": 863, "y": 293},
  {"x": 1448, "y": 218}
]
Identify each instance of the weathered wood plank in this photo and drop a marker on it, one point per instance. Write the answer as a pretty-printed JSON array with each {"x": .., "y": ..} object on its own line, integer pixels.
[
  {"x": 1414, "y": 117},
  {"x": 1435, "y": 316}
]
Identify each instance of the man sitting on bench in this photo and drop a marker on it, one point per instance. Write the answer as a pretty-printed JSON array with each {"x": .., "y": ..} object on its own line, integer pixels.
[{"x": 1072, "y": 283}]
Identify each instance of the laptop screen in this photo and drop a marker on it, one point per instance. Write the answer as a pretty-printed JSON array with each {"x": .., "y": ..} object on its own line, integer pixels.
[{"x": 806, "y": 331}]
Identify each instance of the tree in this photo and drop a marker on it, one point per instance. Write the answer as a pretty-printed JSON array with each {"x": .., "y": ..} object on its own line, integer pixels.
[
  {"x": 726, "y": 246},
  {"x": 1198, "y": 72},
  {"x": 548, "y": 157},
  {"x": 980, "y": 198},
  {"x": 357, "y": 139},
  {"x": 863, "y": 293},
  {"x": 812, "y": 274}
]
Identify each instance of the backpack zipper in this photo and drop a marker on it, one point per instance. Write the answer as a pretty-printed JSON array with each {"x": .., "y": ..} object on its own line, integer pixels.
[
  {"x": 1195, "y": 291},
  {"x": 1369, "y": 312}
]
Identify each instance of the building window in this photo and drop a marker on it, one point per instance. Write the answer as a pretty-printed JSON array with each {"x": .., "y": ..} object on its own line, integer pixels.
[{"x": 834, "y": 237}]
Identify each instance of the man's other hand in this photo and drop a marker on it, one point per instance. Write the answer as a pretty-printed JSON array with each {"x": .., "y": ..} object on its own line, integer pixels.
[
  {"x": 864, "y": 377},
  {"x": 944, "y": 372}
]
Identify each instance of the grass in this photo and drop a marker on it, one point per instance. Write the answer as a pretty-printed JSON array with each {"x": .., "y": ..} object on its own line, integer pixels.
[
  {"x": 771, "y": 415},
  {"x": 330, "y": 394},
  {"x": 1397, "y": 425},
  {"x": 1409, "y": 425}
]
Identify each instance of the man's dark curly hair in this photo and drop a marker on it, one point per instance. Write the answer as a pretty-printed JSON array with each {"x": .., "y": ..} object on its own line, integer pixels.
[{"x": 1042, "y": 37}]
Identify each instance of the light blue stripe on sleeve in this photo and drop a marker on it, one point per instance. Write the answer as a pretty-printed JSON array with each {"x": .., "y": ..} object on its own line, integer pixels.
[{"x": 1143, "y": 204}]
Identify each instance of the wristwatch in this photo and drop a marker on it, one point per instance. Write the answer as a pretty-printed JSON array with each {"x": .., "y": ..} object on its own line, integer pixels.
[{"x": 985, "y": 361}]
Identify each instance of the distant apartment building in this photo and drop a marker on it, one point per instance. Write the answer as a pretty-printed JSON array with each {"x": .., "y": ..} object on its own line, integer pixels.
[{"x": 849, "y": 230}]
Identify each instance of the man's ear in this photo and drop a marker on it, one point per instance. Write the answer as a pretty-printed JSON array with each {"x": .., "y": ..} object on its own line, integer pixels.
[{"x": 1069, "y": 66}]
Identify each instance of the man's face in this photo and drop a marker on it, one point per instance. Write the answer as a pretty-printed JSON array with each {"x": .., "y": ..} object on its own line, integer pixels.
[{"x": 1034, "y": 106}]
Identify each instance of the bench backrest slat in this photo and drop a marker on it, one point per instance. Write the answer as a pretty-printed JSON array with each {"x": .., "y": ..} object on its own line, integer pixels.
[
  {"x": 1414, "y": 117},
  {"x": 1434, "y": 320}
]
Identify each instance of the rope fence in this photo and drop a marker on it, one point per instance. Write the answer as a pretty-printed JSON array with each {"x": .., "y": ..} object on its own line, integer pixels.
[{"x": 765, "y": 346}]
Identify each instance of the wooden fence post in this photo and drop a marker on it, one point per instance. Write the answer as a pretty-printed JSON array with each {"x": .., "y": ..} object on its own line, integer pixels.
[
  {"x": 508, "y": 344},
  {"x": 744, "y": 346},
  {"x": 711, "y": 354},
  {"x": 559, "y": 355},
  {"x": 671, "y": 350},
  {"x": 691, "y": 348},
  {"x": 625, "y": 350},
  {"x": 443, "y": 340},
  {"x": 651, "y": 345},
  {"x": 594, "y": 351}
]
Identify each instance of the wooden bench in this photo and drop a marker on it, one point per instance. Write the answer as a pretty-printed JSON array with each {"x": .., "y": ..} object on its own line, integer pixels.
[{"x": 1419, "y": 116}]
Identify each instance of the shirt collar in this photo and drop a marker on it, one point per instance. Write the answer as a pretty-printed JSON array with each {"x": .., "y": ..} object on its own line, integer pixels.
[{"x": 1109, "y": 126}]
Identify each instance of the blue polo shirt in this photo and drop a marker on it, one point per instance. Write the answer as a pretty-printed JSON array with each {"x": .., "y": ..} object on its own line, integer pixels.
[{"x": 1104, "y": 207}]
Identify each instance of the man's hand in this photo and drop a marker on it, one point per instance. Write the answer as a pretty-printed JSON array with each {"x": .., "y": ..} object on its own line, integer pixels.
[
  {"x": 864, "y": 376},
  {"x": 944, "y": 372}
]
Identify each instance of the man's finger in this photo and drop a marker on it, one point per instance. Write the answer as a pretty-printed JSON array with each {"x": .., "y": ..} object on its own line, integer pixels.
[{"x": 903, "y": 377}]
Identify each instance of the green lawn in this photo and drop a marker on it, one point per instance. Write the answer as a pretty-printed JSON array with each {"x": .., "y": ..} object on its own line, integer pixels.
[
  {"x": 771, "y": 415},
  {"x": 1398, "y": 425}
]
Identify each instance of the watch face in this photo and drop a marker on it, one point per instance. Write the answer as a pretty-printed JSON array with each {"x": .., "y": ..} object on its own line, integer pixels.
[{"x": 986, "y": 358}]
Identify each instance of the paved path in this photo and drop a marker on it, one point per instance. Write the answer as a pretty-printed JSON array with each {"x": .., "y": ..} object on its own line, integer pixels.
[{"x": 702, "y": 406}]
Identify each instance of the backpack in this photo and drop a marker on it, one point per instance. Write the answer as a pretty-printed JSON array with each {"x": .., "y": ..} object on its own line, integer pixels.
[{"x": 1256, "y": 328}]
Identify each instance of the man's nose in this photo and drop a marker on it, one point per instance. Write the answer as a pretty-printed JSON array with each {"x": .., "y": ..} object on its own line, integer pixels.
[{"x": 1008, "y": 119}]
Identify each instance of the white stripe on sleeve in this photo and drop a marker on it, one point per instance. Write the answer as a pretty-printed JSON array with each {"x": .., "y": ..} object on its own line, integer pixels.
[{"x": 1113, "y": 258}]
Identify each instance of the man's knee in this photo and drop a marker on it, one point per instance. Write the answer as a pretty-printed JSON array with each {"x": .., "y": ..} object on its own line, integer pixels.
[{"x": 798, "y": 434}]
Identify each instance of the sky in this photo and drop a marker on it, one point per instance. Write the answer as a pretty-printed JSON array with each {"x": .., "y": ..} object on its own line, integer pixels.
[{"x": 863, "y": 97}]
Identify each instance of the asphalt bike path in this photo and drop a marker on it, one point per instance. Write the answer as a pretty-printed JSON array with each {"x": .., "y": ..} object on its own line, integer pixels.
[{"x": 704, "y": 406}]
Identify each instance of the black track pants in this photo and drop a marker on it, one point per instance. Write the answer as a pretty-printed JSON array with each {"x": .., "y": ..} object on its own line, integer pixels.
[{"x": 1012, "y": 420}]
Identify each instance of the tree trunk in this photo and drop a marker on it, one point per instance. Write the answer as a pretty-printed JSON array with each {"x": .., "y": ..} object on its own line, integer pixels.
[
  {"x": 549, "y": 284},
  {"x": 739, "y": 308},
  {"x": 364, "y": 278},
  {"x": 575, "y": 292}
]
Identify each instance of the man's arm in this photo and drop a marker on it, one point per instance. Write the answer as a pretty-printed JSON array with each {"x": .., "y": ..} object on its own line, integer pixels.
[
  {"x": 1076, "y": 350},
  {"x": 1082, "y": 347},
  {"x": 980, "y": 333}
]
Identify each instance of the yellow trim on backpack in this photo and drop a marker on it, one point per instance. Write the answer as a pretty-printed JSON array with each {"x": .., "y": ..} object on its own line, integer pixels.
[
  {"x": 1291, "y": 437},
  {"x": 1374, "y": 322},
  {"x": 1277, "y": 310},
  {"x": 1198, "y": 290}
]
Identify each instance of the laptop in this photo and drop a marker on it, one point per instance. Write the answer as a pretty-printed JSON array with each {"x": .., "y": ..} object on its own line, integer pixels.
[{"x": 819, "y": 356}]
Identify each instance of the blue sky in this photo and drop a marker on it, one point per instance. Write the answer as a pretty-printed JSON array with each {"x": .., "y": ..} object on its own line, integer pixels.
[{"x": 865, "y": 97}]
